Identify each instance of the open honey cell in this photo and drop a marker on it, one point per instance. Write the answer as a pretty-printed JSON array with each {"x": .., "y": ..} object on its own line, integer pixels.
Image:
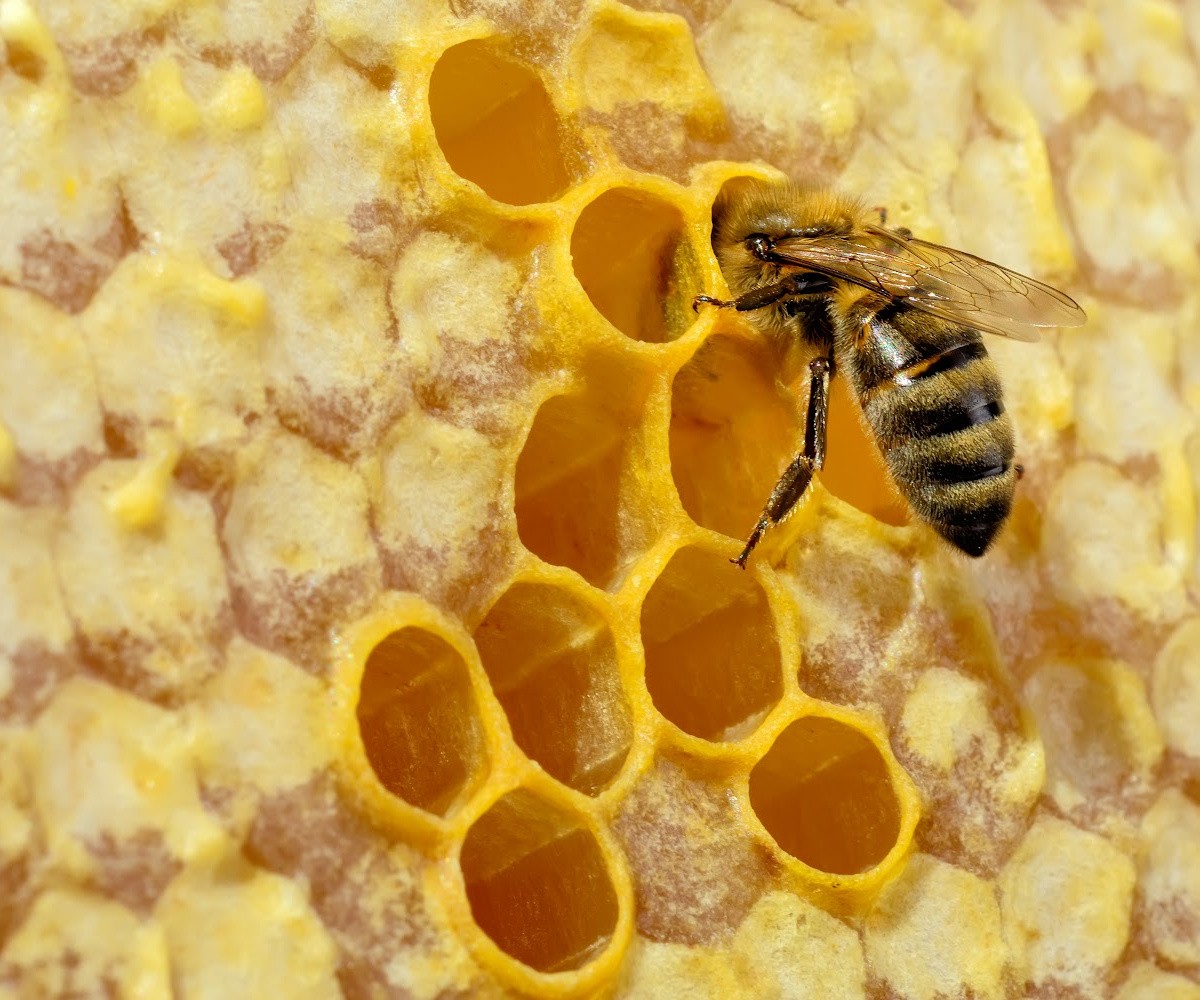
[
  {"x": 824, "y": 793},
  {"x": 418, "y": 720},
  {"x": 628, "y": 254},
  {"x": 712, "y": 656},
  {"x": 496, "y": 125},
  {"x": 854, "y": 469},
  {"x": 538, "y": 884},
  {"x": 570, "y": 486},
  {"x": 725, "y": 423},
  {"x": 733, "y": 431},
  {"x": 553, "y": 666}
]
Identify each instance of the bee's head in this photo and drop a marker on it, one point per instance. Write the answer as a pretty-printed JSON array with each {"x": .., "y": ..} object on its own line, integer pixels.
[{"x": 777, "y": 210}]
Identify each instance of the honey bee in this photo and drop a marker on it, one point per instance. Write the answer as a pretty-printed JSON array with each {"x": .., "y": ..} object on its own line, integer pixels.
[{"x": 902, "y": 319}]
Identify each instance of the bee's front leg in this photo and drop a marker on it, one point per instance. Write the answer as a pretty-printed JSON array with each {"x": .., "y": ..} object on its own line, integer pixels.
[
  {"x": 803, "y": 283},
  {"x": 902, "y": 231},
  {"x": 797, "y": 476}
]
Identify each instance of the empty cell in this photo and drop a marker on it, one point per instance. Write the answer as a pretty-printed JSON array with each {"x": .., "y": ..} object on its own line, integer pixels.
[
  {"x": 569, "y": 487},
  {"x": 712, "y": 655},
  {"x": 553, "y": 666},
  {"x": 735, "y": 428},
  {"x": 496, "y": 125},
  {"x": 854, "y": 469},
  {"x": 824, "y": 793},
  {"x": 733, "y": 431},
  {"x": 628, "y": 254},
  {"x": 538, "y": 884},
  {"x": 418, "y": 719}
]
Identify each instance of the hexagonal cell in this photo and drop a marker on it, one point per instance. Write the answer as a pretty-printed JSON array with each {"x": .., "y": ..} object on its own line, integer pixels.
[
  {"x": 712, "y": 658},
  {"x": 571, "y": 489},
  {"x": 824, "y": 793},
  {"x": 496, "y": 124},
  {"x": 628, "y": 253},
  {"x": 1115, "y": 754},
  {"x": 538, "y": 884},
  {"x": 553, "y": 666},
  {"x": 419, "y": 722},
  {"x": 854, "y": 468},
  {"x": 733, "y": 431}
]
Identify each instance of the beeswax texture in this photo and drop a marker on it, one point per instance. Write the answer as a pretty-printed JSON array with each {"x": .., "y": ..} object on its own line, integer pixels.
[{"x": 368, "y": 486}]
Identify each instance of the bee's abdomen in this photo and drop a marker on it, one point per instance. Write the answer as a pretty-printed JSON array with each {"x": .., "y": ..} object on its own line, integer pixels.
[{"x": 941, "y": 425}]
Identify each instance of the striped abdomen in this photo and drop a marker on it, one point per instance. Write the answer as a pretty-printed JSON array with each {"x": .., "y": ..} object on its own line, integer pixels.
[{"x": 933, "y": 398}]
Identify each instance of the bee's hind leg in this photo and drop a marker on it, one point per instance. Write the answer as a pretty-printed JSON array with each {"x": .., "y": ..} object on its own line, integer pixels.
[{"x": 797, "y": 476}]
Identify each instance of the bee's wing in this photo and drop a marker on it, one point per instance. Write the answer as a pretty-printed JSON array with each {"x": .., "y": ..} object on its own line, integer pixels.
[{"x": 950, "y": 284}]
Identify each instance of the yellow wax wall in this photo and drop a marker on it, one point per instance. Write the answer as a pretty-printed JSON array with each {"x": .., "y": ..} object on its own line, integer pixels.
[{"x": 368, "y": 486}]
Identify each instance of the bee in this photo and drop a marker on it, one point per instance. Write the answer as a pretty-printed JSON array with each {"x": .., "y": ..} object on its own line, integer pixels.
[{"x": 903, "y": 320}]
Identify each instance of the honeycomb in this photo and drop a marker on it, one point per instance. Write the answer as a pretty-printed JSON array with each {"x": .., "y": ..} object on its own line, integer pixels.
[{"x": 368, "y": 485}]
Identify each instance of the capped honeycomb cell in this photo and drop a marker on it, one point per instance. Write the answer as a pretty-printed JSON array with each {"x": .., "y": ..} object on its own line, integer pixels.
[
  {"x": 697, "y": 867},
  {"x": 552, "y": 662},
  {"x": 569, "y": 485},
  {"x": 629, "y": 255},
  {"x": 936, "y": 932},
  {"x": 712, "y": 656},
  {"x": 299, "y": 568},
  {"x": 1066, "y": 897},
  {"x": 537, "y": 883},
  {"x": 80, "y": 943},
  {"x": 1114, "y": 754},
  {"x": 824, "y": 793},
  {"x": 496, "y": 125},
  {"x": 733, "y": 431},
  {"x": 418, "y": 720}
]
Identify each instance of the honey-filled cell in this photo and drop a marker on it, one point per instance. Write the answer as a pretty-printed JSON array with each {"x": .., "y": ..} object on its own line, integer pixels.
[
  {"x": 537, "y": 883},
  {"x": 552, "y": 662},
  {"x": 712, "y": 655},
  {"x": 628, "y": 254},
  {"x": 496, "y": 125},
  {"x": 824, "y": 793},
  {"x": 418, "y": 720}
]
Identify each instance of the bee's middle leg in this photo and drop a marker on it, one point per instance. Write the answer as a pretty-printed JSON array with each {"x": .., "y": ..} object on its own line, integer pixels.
[{"x": 797, "y": 476}]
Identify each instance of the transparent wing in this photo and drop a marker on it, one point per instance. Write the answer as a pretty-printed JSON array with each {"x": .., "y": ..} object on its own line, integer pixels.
[{"x": 950, "y": 284}]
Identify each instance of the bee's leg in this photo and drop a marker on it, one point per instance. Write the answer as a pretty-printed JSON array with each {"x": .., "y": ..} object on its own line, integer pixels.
[
  {"x": 804, "y": 283},
  {"x": 798, "y": 475},
  {"x": 901, "y": 231}
]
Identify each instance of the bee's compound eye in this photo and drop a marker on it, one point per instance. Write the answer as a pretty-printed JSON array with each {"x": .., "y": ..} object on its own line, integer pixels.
[{"x": 760, "y": 244}]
